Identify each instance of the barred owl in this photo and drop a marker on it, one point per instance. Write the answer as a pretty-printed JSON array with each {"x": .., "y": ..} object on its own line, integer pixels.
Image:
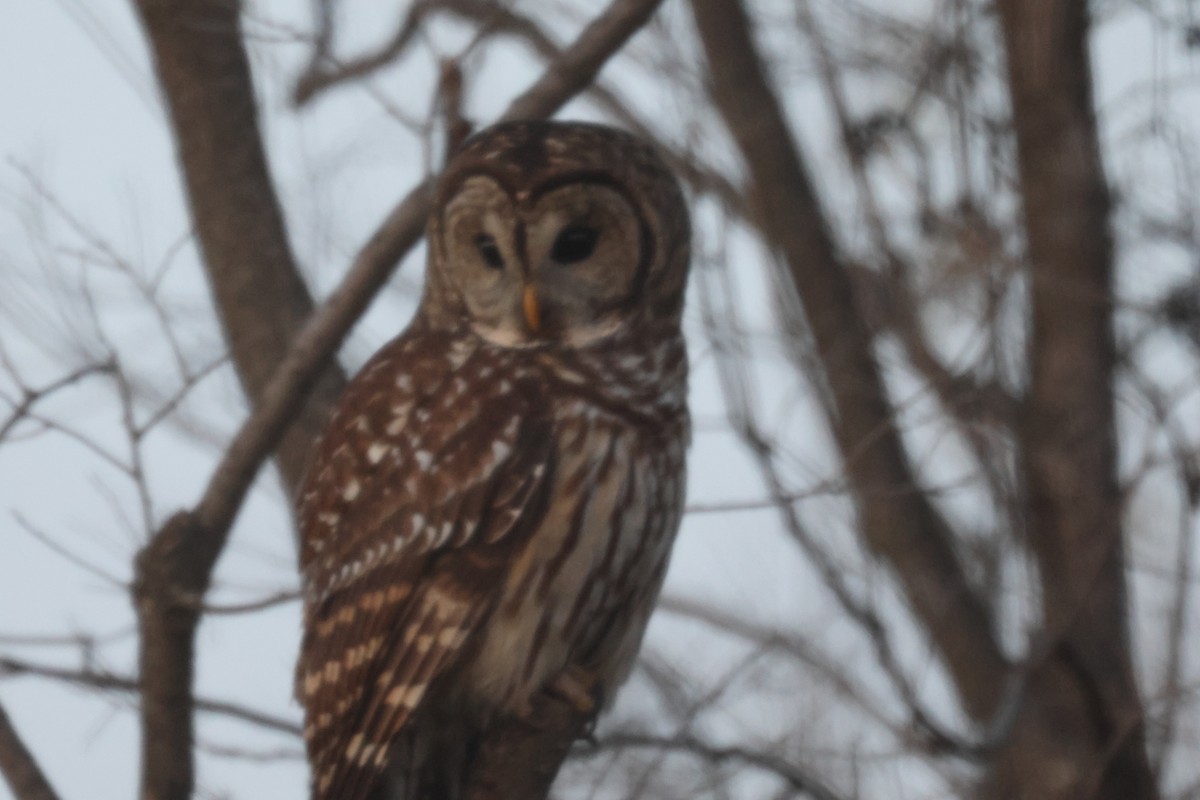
[{"x": 490, "y": 510}]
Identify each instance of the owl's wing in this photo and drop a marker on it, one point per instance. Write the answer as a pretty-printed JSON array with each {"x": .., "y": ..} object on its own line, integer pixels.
[{"x": 399, "y": 575}]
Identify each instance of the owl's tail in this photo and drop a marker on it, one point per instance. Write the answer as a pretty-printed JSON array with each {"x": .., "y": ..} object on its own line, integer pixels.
[{"x": 428, "y": 762}]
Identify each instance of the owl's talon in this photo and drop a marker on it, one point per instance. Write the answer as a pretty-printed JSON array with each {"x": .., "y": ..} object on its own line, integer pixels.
[{"x": 580, "y": 689}]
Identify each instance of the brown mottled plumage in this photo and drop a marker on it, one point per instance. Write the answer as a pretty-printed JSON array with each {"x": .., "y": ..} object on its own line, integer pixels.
[{"x": 493, "y": 503}]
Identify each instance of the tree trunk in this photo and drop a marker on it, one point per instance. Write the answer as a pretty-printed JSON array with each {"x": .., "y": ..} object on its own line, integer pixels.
[
  {"x": 259, "y": 294},
  {"x": 1080, "y": 733}
]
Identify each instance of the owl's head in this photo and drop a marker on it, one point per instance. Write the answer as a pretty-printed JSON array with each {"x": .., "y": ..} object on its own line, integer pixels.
[{"x": 547, "y": 232}]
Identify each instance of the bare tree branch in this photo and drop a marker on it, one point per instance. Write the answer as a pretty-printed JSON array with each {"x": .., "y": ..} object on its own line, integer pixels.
[
  {"x": 1187, "y": 467},
  {"x": 324, "y": 71},
  {"x": 1068, "y": 439},
  {"x": 30, "y": 397},
  {"x": 904, "y": 528},
  {"x": 735, "y": 379},
  {"x": 576, "y": 67},
  {"x": 829, "y": 672},
  {"x": 204, "y": 73},
  {"x": 69, "y": 555},
  {"x": 103, "y": 680},
  {"x": 22, "y": 772},
  {"x": 793, "y": 775}
]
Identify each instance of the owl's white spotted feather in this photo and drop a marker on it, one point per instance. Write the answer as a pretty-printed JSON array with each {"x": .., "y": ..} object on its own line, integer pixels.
[
  {"x": 495, "y": 498},
  {"x": 387, "y": 603}
]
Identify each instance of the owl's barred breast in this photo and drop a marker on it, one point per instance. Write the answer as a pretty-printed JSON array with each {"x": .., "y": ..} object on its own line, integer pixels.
[
  {"x": 580, "y": 584},
  {"x": 582, "y": 589}
]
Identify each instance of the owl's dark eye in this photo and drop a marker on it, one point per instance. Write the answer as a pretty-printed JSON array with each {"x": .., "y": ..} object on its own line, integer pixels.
[
  {"x": 489, "y": 251},
  {"x": 574, "y": 244}
]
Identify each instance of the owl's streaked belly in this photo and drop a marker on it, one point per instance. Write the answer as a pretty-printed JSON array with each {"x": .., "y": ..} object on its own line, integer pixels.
[{"x": 583, "y": 588}]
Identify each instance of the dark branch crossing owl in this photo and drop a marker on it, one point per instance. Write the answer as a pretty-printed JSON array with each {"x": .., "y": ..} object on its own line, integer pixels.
[{"x": 490, "y": 511}]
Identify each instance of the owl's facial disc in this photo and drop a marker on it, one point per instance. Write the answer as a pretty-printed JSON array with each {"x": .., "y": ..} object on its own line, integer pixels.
[
  {"x": 562, "y": 265},
  {"x": 479, "y": 259},
  {"x": 584, "y": 245}
]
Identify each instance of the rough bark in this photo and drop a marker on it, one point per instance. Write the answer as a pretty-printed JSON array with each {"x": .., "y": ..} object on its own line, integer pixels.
[
  {"x": 1082, "y": 736},
  {"x": 899, "y": 523}
]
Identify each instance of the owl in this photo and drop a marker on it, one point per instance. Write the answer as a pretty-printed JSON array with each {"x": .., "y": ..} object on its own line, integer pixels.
[{"x": 490, "y": 510}]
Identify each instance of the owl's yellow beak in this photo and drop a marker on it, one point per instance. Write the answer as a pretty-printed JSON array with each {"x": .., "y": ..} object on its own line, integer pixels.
[{"x": 532, "y": 314}]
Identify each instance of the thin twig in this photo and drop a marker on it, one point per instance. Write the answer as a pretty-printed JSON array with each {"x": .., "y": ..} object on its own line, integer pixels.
[
  {"x": 835, "y": 674},
  {"x": 30, "y": 397},
  {"x": 112, "y": 682},
  {"x": 246, "y": 754},
  {"x": 271, "y": 601},
  {"x": 792, "y": 774},
  {"x": 68, "y": 554},
  {"x": 324, "y": 70}
]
